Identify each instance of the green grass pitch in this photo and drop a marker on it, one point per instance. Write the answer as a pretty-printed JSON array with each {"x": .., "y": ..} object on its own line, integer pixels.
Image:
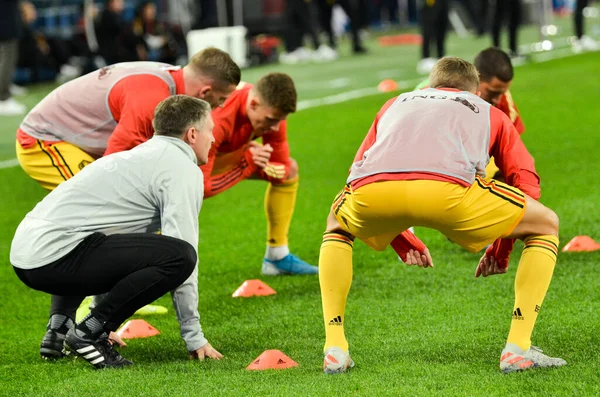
[{"x": 426, "y": 332}]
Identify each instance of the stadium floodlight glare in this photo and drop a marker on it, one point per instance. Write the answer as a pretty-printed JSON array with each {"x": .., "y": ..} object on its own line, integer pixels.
[
  {"x": 549, "y": 30},
  {"x": 591, "y": 12},
  {"x": 547, "y": 45}
]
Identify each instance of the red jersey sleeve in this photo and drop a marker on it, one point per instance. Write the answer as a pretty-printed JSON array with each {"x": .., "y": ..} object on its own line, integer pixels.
[
  {"x": 215, "y": 184},
  {"x": 517, "y": 167},
  {"x": 511, "y": 155},
  {"x": 406, "y": 241},
  {"x": 278, "y": 167},
  {"x": 132, "y": 102}
]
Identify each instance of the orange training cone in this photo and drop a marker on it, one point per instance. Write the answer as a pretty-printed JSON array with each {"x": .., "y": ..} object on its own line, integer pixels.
[
  {"x": 253, "y": 288},
  {"x": 271, "y": 359},
  {"x": 400, "y": 39},
  {"x": 387, "y": 85},
  {"x": 581, "y": 243},
  {"x": 137, "y": 329}
]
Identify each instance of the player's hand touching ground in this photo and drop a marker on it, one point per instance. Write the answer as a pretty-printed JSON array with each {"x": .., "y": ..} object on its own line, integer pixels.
[
  {"x": 260, "y": 153},
  {"x": 414, "y": 257},
  {"x": 204, "y": 352},
  {"x": 488, "y": 266}
]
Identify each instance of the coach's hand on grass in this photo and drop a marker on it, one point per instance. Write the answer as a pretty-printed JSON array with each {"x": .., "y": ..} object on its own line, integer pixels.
[
  {"x": 261, "y": 154},
  {"x": 488, "y": 266},
  {"x": 206, "y": 351},
  {"x": 414, "y": 257},
  {"x": 115, "y": 338}
]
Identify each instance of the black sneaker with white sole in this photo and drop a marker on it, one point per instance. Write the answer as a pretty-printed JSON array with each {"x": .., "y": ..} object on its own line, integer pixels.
[
  {"x": 51, "y": 347},
  {"x": 100, "y": 353}
]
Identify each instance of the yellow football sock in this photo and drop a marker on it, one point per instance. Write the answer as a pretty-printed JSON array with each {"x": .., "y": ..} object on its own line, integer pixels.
[
  {"x": 279, "y": 207},
  {"x": 335, "y": 277},
  {"x": 531, "y": 283}
]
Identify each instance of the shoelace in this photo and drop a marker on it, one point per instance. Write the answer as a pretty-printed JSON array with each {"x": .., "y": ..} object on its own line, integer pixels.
[{"x": 537, "y": 349}]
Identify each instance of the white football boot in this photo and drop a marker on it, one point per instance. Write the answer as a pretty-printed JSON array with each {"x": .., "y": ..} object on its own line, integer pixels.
[{"x": 336, "y": 361}]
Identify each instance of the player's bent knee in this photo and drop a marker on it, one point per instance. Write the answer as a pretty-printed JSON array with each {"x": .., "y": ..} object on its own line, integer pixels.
[
  {"x": 547, "y": 223},
  {"x": 332, "y": 223},
  {"x": 190, "y": 256},
  {"x": 552, "y": 221},
  {"x": 187, "y": 261},
  {"x": 293, "y": 169},
  {"x": 538, "y": 220}
]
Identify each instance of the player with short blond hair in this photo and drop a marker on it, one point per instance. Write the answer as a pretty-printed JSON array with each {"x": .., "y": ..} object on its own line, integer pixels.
[
  {"x": 454, "y": 72},
  {"x": 423, "y": 163}
]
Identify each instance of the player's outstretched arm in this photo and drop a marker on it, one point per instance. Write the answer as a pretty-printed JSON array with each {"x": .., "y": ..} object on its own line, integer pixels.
[
  {"x": 517, "y": 167},
  {"x": 512, "y": 157}
]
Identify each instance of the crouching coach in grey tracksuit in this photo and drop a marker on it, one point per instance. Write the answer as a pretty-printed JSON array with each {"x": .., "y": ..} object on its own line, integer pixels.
[{"x": 94, "y": 234}]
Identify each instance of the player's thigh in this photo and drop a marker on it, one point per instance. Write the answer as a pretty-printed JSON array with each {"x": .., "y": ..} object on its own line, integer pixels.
[
  {"x": 100, "y": 262},
  {"x": 538, "y": 220},
  {"x": 488, "y": 210},
  {"x": 52, "y": 164},
  {"x": 472, "y": 217}
]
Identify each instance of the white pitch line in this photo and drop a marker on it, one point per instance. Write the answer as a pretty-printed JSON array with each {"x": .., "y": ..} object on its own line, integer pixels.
[
  {"x": 9, "y": 163},
  {"x": 389, "y": 73},
  {"x": 349, "y": 95},
  {"x": 338, "y": 83},
  {"x": 337, "y": 98},
  {"x": 321, "y": 84},
  {"x": 364, "y": 92}
]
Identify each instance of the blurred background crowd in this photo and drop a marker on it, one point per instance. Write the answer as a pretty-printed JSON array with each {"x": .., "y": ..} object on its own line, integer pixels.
[{"x": 58, "y": 40}]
